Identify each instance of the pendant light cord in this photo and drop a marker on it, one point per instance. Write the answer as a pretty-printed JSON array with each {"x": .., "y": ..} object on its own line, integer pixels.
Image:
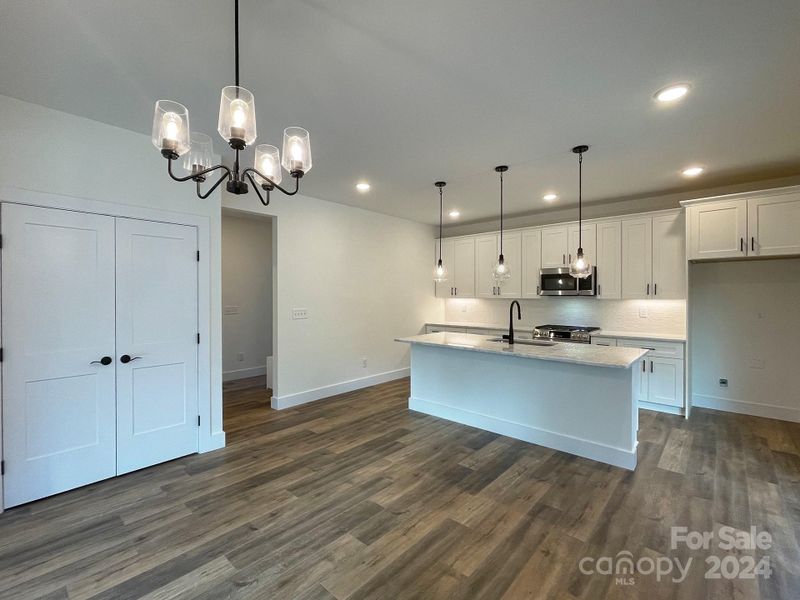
[
  {"x": 236, "y": 36},
  {"x": 501, "y": 213},
  {"x": 580, "y": 201},
  {"x": 441, "y": 213}
]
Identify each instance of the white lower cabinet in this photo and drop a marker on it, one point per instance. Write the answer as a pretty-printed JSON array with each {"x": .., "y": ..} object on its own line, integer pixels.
[
  {"x": 658, "y": 377},
  {"x": 99, "y": 320}
]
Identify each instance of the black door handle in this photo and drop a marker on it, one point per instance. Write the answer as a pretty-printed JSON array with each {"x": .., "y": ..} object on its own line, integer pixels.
[
  {"x": 125, "y": 359},
  {"x": 105, "y": 361}
]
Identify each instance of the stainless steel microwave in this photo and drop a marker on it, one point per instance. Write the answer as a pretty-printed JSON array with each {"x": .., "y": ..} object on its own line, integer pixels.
[{"x": 558, "y": 282}]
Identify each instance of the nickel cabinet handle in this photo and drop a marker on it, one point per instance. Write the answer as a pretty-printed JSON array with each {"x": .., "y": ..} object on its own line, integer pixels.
[
  {"x": 741, "y": 244},
  {"x": 655, "y": 289},
  {"x": 563, "y": 259},
  {"x": 648, "y": 290},
  {"x": 753, "y": 244},
  {"x": 599, "y": 290},
  {"x": 651, "y": 366},
  {"x": 538, "y": 291},
  {"x": 644, "y": 366}
]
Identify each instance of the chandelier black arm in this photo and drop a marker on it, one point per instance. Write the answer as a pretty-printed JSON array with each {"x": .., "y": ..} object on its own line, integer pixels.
[
  {"x": 199, "y": 174},
  {"x": 249, "y": 170},
  {"x": 255, "y": 188},
  {"x": 213, "y": 187}
]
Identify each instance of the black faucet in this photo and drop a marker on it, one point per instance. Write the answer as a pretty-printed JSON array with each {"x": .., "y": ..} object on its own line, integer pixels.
[{"x": 510, "y": 336}]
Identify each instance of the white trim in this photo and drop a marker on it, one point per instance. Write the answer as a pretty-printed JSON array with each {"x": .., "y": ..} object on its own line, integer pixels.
[
  {"x": 618, "y": 457},
  {"x": 243, "y": 373},
  {"x": 270, "y": 373},
  {"x": 290, "y": 400},
  {"x": 664, "y": 408},
  {"x": 742, "y": 407},
  {"x": 789, "y": 189},
  {"x": 215, "y": 441}
]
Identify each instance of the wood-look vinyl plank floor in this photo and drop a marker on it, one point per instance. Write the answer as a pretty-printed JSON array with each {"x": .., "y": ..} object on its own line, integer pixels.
[{"x": 356, "y": 497}]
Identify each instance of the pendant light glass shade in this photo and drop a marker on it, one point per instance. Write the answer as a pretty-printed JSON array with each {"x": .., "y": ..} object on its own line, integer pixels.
[
  {"x": 501, "y": 271},
  {"x": 200, "y": 155},
  {"x": 268, "y": 162},
  {"x": 580, "y": 268},
  {"x": 171, "y": 127},
  {"x": 296, "y": 150},
  {"x": 237, "y": 117},
  {"x": 439, "y": 273}
]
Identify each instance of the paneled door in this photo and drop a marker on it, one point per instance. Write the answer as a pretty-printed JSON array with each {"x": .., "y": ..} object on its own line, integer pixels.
[
  {"x": 637, "y": 258},
  {"x": 58, "y": 343},
  {"x": 156, "y": 361},
  {"x": 772, "y": 225}
]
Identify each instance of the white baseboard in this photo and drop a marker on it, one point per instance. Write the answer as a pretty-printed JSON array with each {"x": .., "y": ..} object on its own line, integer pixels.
[
  {"x": 281, "y": 402},
  {"x": 770, "y": 411},
  {"x": 665, "y": 408},
  {"x": 618, "y": 457},
  {"x": 243, "y": 373}
]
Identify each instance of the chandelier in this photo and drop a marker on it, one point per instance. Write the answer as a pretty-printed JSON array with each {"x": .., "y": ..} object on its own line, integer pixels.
[{"x": 237, "y": 126}]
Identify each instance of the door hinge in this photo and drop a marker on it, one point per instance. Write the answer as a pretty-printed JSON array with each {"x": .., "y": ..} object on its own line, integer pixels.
[
  {"x": 198, "y": 256},
  {"x": 198, "y": 338},
  {"x": 2, "y": 467},
  {"x": 198, "y": 420},
  {"x": 1, "y": 241},
  {"x": 1, "y": 355}
]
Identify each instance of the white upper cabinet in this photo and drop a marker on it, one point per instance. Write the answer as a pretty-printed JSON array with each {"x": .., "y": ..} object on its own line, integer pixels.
[
  {"x": 486, "y": 252},
  {"x": 588, "y": 239},
  {"x": 555, "y": 246},
  {"x": 669, "y": 257},
  {"x": 773, "y": 225},
  {"x": 718, "y": 230},
  {"x": 609, "y": 260},
  {"x": 637, "y": 258},
  {"x": 766, "y": 225},
  {"x": 531, "y": 262},
  {"x": 445, "y": 289},
  {"x": 464, "y": 265},
  {"x": 512, "y": 252}
]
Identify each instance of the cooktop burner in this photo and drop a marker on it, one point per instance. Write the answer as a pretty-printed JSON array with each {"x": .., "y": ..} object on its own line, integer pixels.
[{"x": 566, "y": 328}]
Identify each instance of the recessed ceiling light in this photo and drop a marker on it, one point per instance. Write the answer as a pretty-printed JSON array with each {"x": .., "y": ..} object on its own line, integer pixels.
[
  {"x": 693, "y": 171},
  {"x": 362, "y": 186},
  {"x": 550, "y": 197},
  {"x": 672, "y": 92},
  {"x": 454, "y": 214}
]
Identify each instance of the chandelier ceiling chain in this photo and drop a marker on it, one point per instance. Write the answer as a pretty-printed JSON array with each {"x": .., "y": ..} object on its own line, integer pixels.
[
  {"x": 580, "y": 267},
  {"x": 237, "y": 126}
]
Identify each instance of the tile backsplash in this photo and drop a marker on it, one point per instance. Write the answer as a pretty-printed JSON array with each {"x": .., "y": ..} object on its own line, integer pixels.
[{"x": 651, "y": 316}]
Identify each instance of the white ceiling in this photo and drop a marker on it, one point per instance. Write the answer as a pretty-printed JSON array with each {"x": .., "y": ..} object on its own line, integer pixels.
[{"x": 404, "y": 93}]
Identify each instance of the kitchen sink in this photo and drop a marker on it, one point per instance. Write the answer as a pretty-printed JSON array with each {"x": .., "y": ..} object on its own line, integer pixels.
[{"x": 525, "y": 342}]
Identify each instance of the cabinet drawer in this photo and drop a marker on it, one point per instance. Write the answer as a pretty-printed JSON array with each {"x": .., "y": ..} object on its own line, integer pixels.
[
  {"x": 657, "y": 349},
  {"x": 604, "y": 341}
]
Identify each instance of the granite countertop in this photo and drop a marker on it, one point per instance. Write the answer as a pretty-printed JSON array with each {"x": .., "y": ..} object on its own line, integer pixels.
[
  {"x": 580, "y": 354},
  {"x": 628, "y": 335}
]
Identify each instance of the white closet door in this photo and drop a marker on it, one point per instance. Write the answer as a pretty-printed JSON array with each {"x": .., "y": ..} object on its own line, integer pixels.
[
  {"x": 157, "y": 329},
  {"x": 58, "y": 318}
]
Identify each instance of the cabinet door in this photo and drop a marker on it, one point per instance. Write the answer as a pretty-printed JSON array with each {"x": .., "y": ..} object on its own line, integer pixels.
[
  {"x": 464, "y": 265},
  {"x": 665, "y": 384},
  {"x": 773, "y": 225},
  {"x": 589, "y": 240},
  {"x": 640, "y": 380},
  {"x": 445, "y": 289},
  {"x": 486, "y": 254},
  {"x": 669, "y": 257},
  {"x": 718, "y": 230},
  {"x": 555, "y": 241},
  {"x": 512, "y": 251},
  {"x": 59, "y": 422},
  {"x": 156, "y": 326},
  {"x": 531, "y": 262},
  {"x": 637, "y": 258},
  {"x": 609, "y": 260}
]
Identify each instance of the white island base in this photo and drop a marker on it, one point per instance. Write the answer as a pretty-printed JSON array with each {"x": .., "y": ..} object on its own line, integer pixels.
[{"x": 568, "y": 405}]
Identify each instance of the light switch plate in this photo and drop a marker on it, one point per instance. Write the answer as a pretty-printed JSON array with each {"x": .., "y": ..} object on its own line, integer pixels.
[{"x": 299, "y": 313}]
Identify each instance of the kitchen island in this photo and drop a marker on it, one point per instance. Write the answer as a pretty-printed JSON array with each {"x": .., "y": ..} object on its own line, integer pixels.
[{"x": 577, "y": 398}]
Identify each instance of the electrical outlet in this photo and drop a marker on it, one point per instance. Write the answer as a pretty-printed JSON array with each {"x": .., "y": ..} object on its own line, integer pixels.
[
  {"x": 299, "y": 313},
  {"x": 240, "y": 356},
  {"x": 723, "y": 382},
  {"x": 642, "y": 312},
  {"x": 363, "y": 363}
]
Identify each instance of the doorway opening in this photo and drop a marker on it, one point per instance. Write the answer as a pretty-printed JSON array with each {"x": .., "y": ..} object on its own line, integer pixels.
[{"x": 247, "y": 316}]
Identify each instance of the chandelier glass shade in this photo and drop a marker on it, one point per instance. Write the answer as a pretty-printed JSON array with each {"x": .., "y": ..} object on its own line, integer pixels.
[
  {"x": 439, "y": 271},
  {"x": 580, "y": 267},
  {"x": 237, "y": 126},
  {"x": 501, "y": 271}
]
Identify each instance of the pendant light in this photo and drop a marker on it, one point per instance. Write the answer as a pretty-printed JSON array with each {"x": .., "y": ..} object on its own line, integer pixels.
[
  {"x": 440, "y": 273},
  {"x": 501, "y": 271},
  {"x": 580, "y": 267}
]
